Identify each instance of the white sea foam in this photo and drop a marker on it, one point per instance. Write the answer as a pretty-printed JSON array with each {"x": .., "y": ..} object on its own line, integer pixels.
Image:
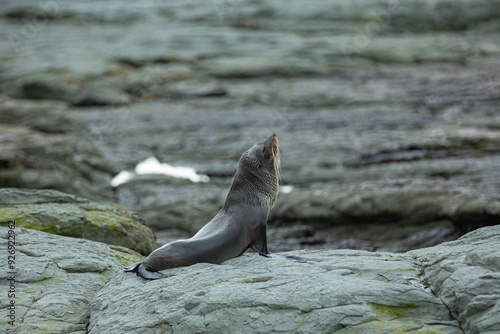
[
  {"x": 152, "y": 166},
  {"x": 286, "y": 189}
]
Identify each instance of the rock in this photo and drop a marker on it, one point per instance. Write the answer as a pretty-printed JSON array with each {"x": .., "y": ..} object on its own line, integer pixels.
[
  {"x": 245, "y": 67},
  {"x": 101, "y": 95},
  {"x": 170, "y": 204},
  {"x": 465, "y": 275},
  {"x": 417, "y": 202},
  {"x": 282, "y": 239},
  {"x": 298, "y": 237},
  {"x": 45, "y": 145},
  {"x": 366, "y": 93},
  {"x": 78, "y": 92},
  {"x": 171, "y": 81},
  {"x": 59, "y": 213},
  {"x": 417, "y": 213},
  {"x": 417, "y": 16},
  {"x": 44, "y": 116},
  {"x": 166, "y": 59},
  {"x": 56, "y": 279},
  {"x": 37, "y": 14},
  {"x": 417, "y": 50},
  {"x": 445, "y": 15},
  {"x": 49, "y": 89},
  {"x": 336, "y": 290},
  {"x": 118, "y": 86},
  {"x": 450, "y": 288},
  {"x": 436, "y": 143},
  {"x": 414, "y": 172},
  {"x": 149, "y": 77},
  {"x": 189, "y": 89}
]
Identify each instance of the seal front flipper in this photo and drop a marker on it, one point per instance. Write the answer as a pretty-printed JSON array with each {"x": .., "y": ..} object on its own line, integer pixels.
[
  {"x": 260, "y": 246},
  {"x": 141, "y": 270}
]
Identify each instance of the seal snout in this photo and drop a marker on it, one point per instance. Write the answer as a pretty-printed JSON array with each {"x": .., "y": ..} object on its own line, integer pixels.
[{"x": 272, "y": 145}]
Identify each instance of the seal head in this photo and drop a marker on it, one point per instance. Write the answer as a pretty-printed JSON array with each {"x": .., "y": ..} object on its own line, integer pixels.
[{"x": 257, "y": 179}]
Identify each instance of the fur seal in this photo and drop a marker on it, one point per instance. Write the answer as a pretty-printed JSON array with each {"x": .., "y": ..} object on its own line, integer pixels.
[{"x": 239, "y": 225}]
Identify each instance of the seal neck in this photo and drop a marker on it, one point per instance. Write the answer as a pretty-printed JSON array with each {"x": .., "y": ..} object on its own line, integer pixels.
[{"x": 253, "y": 189}]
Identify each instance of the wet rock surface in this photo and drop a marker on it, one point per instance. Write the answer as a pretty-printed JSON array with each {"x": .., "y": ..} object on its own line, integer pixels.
[
  {"x": 387, "y": 112},
  {"x": 46, "y": 145}
]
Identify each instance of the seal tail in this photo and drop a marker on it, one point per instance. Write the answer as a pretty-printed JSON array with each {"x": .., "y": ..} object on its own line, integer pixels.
[{"x": 141, "y": 270}]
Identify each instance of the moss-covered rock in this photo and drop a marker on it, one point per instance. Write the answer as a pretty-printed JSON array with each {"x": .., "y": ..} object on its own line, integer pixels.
[{"x": 58, "y": 213}]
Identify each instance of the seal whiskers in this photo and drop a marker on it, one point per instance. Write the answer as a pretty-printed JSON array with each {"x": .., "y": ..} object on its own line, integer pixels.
[{"x": 277, "y": 159}]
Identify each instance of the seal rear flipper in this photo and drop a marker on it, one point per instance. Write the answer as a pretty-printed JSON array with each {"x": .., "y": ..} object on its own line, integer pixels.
[
  {"x": 286, "y": 257},
  {"x": 149, "y": 274},
  {"x": 132, "y": 267},
  {"x": 141, "y": 270}
]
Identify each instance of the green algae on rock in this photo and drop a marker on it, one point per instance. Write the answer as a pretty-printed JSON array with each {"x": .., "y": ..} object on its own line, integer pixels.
[{"x": 58, "y": 213}]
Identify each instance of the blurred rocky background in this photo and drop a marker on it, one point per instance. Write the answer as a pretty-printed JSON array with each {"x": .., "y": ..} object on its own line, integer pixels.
[{"x": 387, "y": 112}]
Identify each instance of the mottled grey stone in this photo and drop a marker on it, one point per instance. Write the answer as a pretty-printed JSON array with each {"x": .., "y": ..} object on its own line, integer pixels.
[
  {"x": 450, "y": 288},
  {"x": 344, "y": 291},
  {"x": 467, "y": 279},
  {"x": 56, "y": 278}
]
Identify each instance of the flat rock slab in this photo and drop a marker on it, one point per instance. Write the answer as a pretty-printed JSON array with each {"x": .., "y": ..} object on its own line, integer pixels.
[
  {"x": 451, "y": 288},
  {"x": 334, "y": 291},
  {"x": 60, "y": 288}
]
